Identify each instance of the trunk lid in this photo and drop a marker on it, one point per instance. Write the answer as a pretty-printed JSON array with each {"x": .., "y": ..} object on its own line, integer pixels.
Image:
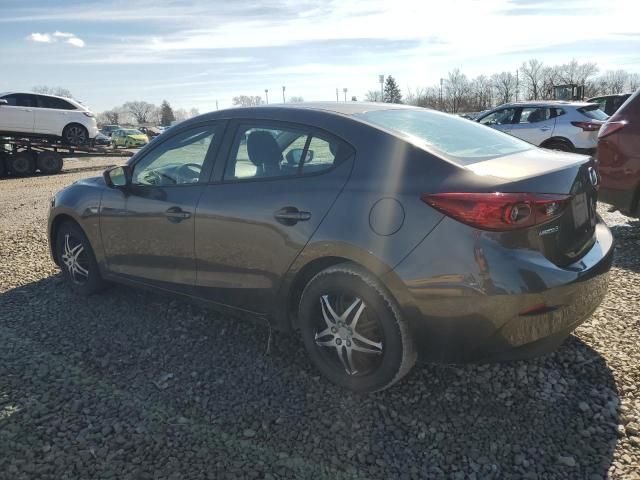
[{"x": 567, "y": 238}]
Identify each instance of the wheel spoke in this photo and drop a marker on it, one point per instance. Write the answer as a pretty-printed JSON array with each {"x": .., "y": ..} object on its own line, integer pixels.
[
  {"x": 340, "y": 351},
  {"x": 81, "y": 270},
  {"x": 356, "y": 316},
  {"x": 350, "y": 370},
  {"x": 77, "y": 250},
  {"x": 346, "y": 313},
  {"x": 326, "y": 343},
  {"x": 67, "y": 248},
  {"x": 372, "y": 347},
  {"x": 324, "y": 302},
  {"x": 324, "y": 333}
]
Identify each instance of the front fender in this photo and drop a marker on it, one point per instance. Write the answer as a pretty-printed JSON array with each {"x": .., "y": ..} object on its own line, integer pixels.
[{"x": 79, "y": 202}]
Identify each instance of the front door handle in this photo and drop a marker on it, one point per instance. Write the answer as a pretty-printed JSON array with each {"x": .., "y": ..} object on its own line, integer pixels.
[
  {"x": 544, "y": 129},
  {"x": 291, "y": 216},
  {"x": 176, "y": 214}
]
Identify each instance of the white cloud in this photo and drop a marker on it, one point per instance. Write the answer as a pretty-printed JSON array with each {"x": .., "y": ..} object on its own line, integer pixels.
[
  {"x": 59, "y": 34},
  {"x": 66, "y": 37},
  {"x": 76, "y": 42},
  {"x": 41, "y": 38}
]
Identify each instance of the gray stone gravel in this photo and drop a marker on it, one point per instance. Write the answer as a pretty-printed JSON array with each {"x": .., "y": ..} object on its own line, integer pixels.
[{"x": 131, "y": 384}]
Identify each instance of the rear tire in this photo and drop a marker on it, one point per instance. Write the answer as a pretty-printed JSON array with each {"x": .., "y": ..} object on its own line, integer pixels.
[
  {"x": 353, "y": 330},
  {"x": 22, "y": 164},
  {"x": 560, "y": 145},
  {"x": 75, "y": 134},
  {"x": 49, "y": 162},
  {"x": 77, "y": 260}
]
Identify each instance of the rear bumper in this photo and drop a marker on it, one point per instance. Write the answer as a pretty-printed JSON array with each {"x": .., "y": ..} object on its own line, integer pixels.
[{"x": 481, "y": 315}]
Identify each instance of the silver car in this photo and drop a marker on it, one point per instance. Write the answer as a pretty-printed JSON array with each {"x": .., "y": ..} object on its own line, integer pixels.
[{"x": 558, "y": 125}]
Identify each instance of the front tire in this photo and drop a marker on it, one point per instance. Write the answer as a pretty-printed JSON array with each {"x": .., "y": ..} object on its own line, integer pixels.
[
  {"x": 75, "y": 134},
  {"x": 560, "y": 145},
  {"x": 77, "y": 260},
  {"x": 353, "y": 330}
]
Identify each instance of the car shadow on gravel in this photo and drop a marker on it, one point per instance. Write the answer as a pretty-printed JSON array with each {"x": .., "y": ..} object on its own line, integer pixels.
[
  {"x": 131, "y": 384},
  {"x": 627, "y": 245}
]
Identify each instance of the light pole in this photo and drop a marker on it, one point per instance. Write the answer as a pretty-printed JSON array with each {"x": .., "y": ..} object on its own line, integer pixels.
[
  {"x": 337, "y": 95},
  {"x": 266, "y": 93},
  {"x": 216, "y": 104},
  {"x": 345, "y": 93},
  {"x": 381, "y": 80},
  {"x": 283, "y": 99}
]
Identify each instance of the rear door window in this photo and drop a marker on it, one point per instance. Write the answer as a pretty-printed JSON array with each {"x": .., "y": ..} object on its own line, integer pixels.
[
  {"x": 500, "y": 117},
  {"x": 21, "y": 100},
  {"x": 534, "y": 115},
  {"x": 54, "y": 103}
]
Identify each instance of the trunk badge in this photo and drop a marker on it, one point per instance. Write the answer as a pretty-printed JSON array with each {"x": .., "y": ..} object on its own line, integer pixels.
[
  {"x": 549, "y": 231},
  {"x": 593, "y": 176}
]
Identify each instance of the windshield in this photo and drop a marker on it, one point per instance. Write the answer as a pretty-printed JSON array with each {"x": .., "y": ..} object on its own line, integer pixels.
[{"x": 461, "y": 140}]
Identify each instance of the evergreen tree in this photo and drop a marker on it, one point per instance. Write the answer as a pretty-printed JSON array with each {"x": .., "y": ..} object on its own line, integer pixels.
[
  {"x": 166, "y": 114},
  {"x": 392, "y": 91}
]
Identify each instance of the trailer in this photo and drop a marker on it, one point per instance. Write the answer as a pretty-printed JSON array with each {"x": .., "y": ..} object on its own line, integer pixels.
[{"x": 24, "y": 156}]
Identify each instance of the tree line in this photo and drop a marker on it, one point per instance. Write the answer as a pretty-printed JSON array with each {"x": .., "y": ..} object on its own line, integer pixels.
[
  {"x": 532, "y": 81},
  {"x": 140, "y": 112}
]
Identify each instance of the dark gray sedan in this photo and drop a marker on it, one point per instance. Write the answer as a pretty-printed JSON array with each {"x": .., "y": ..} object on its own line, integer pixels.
[{"x": 376, "y": 233}]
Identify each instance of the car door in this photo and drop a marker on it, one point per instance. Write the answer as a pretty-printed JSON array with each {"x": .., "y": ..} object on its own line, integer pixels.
[
  {"x": 500, "y": 119},
  {"x": 147, "y": 228},
  {"x": 17, "y": 115},
  {"x": 533, "y": 124},
  {"x": 279, "y": 182},
  {"x": 51, "y": 115}
]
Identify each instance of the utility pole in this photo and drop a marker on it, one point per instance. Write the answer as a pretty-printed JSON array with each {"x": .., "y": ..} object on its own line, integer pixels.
[
  {"x": 283, "y": 99},
  {"x": 381, "y": 80},
  {"x": 517, "y": 85},
  {"x": 345, "y": 93},
  {"x": 216, "y": 104},
  {"x": 266, "y": 93},
  {"x": 337, "y": 95}
]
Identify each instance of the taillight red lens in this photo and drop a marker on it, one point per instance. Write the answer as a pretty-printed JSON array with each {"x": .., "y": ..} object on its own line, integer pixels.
[
  {"x": 587, "y": 126},
  {"x": 499, "y": 211},
  {"x": 610, "y": 127}
]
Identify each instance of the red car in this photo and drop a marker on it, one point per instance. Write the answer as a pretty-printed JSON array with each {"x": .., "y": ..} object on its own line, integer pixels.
[{"x": 619, "y": 157}]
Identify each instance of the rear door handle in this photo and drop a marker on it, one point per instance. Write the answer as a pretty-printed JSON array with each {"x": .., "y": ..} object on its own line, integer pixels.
[
  {"x": 176, "y": 214},
  {"x": 291, "y": 215}
]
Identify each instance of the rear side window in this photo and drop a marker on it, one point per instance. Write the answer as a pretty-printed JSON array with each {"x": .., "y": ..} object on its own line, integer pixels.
[
  {"x": 500, "y": 117},
  {"x": 594, "y": 112},
  {"x": 462, "y": 141},
  {"x": 56, "y": 103},
  {"x": 263, "y": 152},
  {"x": 534, "y": 115},
  {"x": 20, "y": 100}
]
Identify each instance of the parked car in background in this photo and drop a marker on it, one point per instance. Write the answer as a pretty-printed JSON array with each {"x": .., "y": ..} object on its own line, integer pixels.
[
  {"x": 150, "y": 132},
  {"x": 101, "y": 140},
  {"x": 37, "y": 115},
  {"x": 557, "y": 125},
  {"x": 128, "y": 138},
  {"x": 109, "y": 129},
  {"x": 373, "y": 232},
  {"x": 619, "y": 157},
  {"x": 610, "y": 103}
]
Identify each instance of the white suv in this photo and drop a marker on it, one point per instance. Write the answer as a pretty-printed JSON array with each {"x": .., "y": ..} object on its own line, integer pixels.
[
  {"x": 33, "y": 114},
  {"x": 557, "y": 125}
]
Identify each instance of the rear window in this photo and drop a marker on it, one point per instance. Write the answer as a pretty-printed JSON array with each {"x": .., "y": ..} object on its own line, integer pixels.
[
  {"x": 594, "y": 112},
  {"x": 462, "y": 141}
]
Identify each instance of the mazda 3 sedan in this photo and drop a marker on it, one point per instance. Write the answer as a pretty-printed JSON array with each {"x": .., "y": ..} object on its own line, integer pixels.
[{"x": 376, "y": 234}]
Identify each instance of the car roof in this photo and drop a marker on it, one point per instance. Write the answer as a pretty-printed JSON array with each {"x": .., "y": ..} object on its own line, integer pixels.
[
  {"x": 341, "y": 108},
  {"x": 545, "y": 103}
]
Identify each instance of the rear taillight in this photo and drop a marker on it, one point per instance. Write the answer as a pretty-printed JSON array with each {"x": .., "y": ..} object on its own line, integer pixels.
[
  {"x": 587, "y": 126},
  {"x": 610, "y": 127},
  {"x": 499, "y": 211}
]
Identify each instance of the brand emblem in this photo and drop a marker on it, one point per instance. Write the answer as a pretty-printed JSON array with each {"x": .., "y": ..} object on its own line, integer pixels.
[{"x": 593, "y": 176}]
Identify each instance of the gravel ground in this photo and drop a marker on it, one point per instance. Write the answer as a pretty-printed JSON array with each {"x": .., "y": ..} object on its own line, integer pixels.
[{"x": 131, "y": 384}]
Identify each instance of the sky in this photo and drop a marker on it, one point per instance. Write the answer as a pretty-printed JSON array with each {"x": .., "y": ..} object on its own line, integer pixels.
[{"x": 194, "y": 53}]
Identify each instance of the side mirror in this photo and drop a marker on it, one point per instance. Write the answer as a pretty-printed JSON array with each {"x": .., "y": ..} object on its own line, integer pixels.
[
  {"x": 3, "y": 101},
  {"x": 117, "y": 177}
]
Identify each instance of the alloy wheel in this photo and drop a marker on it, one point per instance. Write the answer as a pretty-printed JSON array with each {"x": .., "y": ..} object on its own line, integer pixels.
[
  {"x": 76, "y": 135},
  {"x": 352, "y": 337},
  {"x": 74, "y": 259}
]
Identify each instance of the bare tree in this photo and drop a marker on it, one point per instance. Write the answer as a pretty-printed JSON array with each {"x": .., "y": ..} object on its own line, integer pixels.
[
  {"x": 142, "y": 112},
  {"x": 373, "y": 96},
  {"x": 295, "y": 99},
  {"x": 633, "y": 82},
  {"x": 613, "y": 81},
  {"x": 194, "y": 112},
  {"x": 456, "y": 86},
  {"x": 532, "y": 76},
  {"x": 577, "y": 73},
  {"x": 482, "y": 91},
  {"x": 58, "y": 91},
  {"x": 505, "y": 86},
  {"x": 247, "y": 100}
]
